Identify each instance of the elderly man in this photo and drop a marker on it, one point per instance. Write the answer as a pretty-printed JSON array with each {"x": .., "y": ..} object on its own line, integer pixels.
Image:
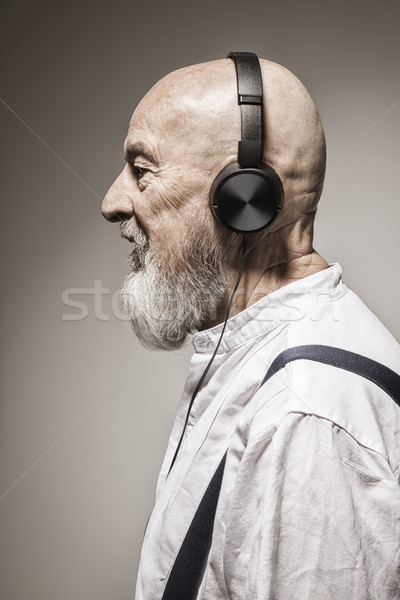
[{"x": 278, "y": 482}]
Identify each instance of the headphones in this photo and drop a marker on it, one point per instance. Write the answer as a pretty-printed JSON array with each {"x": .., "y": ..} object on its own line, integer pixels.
[{"x": 247, "y": 195}]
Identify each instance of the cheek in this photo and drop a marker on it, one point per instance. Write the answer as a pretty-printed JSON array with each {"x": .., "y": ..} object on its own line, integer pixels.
[
  {"x": 170, "y": 203},
  {"x": 166, "y": 196},
  {"x": 159, "y": 211}
]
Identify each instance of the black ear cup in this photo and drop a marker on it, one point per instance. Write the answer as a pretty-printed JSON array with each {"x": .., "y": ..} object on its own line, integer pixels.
[{"x": 246, "y": 200}]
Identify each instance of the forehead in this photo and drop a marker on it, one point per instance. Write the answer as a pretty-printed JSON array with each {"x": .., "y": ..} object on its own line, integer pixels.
[
  {"x": 189, "y": 112},
  {"x": 154, "y": 108},
  {"x": 161, "y": 122}
]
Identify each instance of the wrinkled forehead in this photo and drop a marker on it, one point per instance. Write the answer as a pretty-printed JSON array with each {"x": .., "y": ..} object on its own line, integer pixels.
[
  {"x": 156, "y": 113},
  {"x": 158, "y": 122},
  {"x": 185, "y": 108}
]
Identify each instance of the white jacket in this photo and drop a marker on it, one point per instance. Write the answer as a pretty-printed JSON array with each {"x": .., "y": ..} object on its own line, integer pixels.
[{"x": 309, "y": 506}]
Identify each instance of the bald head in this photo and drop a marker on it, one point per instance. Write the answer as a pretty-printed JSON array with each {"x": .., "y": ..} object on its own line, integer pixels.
[
  {"x": 182, "y": 134},
  {"x": 194, "y": 113}
]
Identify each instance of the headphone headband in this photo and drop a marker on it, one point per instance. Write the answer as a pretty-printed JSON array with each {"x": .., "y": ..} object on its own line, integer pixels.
[
  {"x": 247, "y": 195},
  {"x": 250, "y": 100}
]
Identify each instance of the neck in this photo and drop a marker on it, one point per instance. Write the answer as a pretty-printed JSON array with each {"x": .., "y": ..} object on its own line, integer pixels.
[{"x": 264, "y": 274}]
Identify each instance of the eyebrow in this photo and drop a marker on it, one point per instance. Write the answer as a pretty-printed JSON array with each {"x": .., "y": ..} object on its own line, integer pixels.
[{"x": 139, "y": 149}]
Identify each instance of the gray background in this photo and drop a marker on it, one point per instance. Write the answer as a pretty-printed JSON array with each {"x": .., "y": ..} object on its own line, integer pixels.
[{"x": 86, "y": 411}]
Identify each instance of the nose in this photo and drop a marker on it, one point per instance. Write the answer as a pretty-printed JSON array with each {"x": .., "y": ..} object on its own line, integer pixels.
[{"x": 117, "y": 203}]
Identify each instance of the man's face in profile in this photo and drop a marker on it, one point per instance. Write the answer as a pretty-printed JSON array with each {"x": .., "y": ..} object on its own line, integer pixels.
[{"x": 161, "y": 200}]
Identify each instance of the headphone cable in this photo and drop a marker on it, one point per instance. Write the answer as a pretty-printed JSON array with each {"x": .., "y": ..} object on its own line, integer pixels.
[{"x": 201, "y": 380}]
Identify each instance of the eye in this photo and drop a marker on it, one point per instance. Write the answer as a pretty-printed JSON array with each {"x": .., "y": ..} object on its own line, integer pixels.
[{"x": 139, "y": 171}]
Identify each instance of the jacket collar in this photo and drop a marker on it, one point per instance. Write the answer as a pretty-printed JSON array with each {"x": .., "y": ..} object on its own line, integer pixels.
[{"x": 289, "y": 303}]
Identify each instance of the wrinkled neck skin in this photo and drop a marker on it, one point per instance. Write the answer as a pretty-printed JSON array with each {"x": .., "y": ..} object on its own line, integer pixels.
[{"x": 278, "y": 258}]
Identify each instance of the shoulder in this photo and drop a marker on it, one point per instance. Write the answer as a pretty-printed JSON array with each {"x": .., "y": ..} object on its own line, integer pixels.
[{"x": 350, "y": 401}]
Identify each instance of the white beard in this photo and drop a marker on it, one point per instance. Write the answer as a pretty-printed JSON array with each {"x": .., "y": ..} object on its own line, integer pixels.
[{"x": 167, "y": 298}]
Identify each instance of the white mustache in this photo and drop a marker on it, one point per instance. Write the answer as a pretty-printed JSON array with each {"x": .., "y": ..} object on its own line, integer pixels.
[{"x": 134, "y": 233}]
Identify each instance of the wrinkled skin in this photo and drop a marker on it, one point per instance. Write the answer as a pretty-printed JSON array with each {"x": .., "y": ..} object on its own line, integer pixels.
[{"x": 189, "y": 125}]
